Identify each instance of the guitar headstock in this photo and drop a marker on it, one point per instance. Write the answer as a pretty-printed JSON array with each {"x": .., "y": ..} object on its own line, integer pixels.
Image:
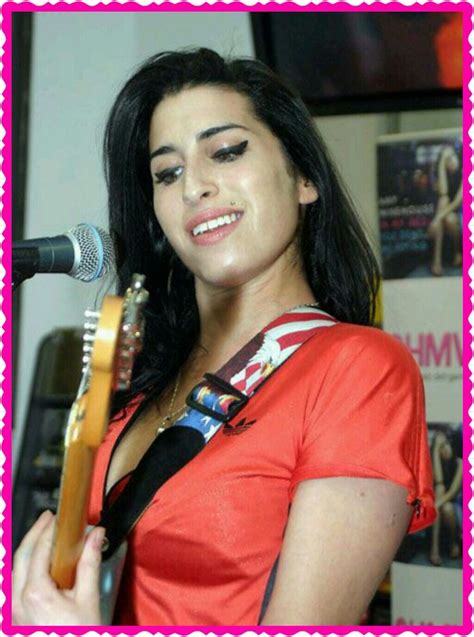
[
  {"x": 129, "y": 338},
  {"x": 112, "y": 340},
  {"x": 131, "y": 335}
]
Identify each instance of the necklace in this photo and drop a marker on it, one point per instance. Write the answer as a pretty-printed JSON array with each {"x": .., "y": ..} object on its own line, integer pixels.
[
  {"x": 171, "y": 415},
  {"x": 297, "y": 307}
]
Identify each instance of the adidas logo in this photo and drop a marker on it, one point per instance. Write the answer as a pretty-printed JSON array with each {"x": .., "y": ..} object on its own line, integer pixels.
[{"x": 238, "y": 428}]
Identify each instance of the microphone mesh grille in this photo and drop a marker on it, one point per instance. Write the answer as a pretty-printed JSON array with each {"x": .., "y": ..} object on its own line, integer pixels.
[{"x": 96, "y": 252}]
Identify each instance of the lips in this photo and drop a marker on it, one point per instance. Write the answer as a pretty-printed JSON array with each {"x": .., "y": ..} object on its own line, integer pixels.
[{"x": 213, "y": 225}]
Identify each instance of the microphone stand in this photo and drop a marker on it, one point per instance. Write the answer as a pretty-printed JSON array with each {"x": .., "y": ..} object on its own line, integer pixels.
[{"x": 25, "y": 265}]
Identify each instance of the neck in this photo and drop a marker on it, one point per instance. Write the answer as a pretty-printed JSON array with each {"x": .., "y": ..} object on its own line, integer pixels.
[{"x": 229, "y": 317}]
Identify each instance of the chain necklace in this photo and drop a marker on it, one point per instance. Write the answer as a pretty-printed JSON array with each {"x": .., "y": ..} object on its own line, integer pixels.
[{"x": 171, "y": 415}]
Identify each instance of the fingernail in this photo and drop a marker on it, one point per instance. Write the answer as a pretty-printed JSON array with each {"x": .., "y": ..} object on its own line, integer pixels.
[
  {"x": 99, "y": 538},
  {"x": 46, "y": 515}
]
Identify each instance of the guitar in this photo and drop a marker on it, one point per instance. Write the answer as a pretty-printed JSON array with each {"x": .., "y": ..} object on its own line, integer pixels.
[{"x": 112, "y": 339}]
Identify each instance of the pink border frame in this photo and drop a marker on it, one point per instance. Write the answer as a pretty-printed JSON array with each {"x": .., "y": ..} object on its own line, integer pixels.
[{"x": 460, "y": 6}]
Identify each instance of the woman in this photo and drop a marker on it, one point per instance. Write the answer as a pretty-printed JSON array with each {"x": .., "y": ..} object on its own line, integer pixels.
[
  {"x": 446, "y": 455},
  {"x": 222, "y": 194},
  {"x": 448, "y": 217}
]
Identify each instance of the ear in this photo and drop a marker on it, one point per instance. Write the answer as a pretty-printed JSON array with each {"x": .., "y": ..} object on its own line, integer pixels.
[{"x": 307, "y": 192}]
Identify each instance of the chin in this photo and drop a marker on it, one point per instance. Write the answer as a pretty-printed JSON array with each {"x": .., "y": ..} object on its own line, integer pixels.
[
  {"x": 225, "y": 277},
  {"x": 225, "y": 280}
]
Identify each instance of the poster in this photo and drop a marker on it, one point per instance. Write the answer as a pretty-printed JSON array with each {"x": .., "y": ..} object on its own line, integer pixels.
[
  {"x": 426, "y": 578},
  {"x": 419, "y": 598},
  {"x": 426, "y": 316},
  {"x": 420, "y": 216},
  {"x": 441, "y": 544},
  {"x": 419, "y": 180}
]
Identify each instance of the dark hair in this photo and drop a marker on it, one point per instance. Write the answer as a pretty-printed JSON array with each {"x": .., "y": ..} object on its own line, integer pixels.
[{"x": 339, "y": 264}]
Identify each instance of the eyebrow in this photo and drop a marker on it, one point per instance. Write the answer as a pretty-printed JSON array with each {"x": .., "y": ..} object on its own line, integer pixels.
[{"x": 205, "y": 134}]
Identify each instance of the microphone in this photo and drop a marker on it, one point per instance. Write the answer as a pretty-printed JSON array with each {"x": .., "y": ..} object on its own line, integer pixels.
[{"x": 85, "y": 252}]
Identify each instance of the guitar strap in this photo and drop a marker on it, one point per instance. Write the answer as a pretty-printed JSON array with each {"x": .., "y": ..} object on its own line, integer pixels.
[{"x": 211, "y": 404}]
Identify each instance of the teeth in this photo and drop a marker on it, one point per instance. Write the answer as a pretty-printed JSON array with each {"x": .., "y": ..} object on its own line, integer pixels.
[{"x": 215, "y": 223}]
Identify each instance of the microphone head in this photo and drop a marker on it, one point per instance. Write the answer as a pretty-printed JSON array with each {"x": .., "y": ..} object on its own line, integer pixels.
[{"x": 94, "y": 253}]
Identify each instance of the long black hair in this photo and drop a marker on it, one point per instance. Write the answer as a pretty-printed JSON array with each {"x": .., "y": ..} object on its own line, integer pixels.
[{"x": 339, "y": 264}]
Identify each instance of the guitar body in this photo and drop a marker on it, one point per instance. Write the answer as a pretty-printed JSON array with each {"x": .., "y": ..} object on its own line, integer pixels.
[
  {"x": 71, "y": 515},
  {"x": 117, "y": 338}
]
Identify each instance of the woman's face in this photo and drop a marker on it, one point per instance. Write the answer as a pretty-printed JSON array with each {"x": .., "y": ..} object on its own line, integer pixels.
[
  {"x": 224, "y": 193},
  {"x": 446, "y": 451}
]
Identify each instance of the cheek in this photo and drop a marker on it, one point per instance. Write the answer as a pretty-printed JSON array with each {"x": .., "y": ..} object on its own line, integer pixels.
[
  {"x": 271, "y": 184},
  {"x": 280, "y": 205}
]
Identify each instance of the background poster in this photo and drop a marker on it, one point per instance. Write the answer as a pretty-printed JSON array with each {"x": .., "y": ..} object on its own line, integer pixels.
[
  {"x": 426, "y": 578},
  {"x": 420, "y": 201},
  {"x": 441, "y": 544},
  {"x": 425, "y": 314},
  {"x": 420, "y": 599},
  {"x": 420, "y": 204}
]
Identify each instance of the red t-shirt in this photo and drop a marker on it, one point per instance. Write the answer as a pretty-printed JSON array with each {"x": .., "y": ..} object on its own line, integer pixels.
[{"x": 349, "y": 402}]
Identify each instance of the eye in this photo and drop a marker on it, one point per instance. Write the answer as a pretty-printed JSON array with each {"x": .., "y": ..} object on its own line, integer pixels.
[
  {"x": 230, "y": 153},
  {"x": 168, "y": 176}
]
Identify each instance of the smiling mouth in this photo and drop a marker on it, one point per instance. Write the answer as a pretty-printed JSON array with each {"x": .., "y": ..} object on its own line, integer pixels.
[{"x": 217, "y": 222}]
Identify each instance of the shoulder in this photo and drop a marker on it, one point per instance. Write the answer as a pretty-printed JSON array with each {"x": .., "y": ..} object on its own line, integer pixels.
[{"x": 365, "y": 348}]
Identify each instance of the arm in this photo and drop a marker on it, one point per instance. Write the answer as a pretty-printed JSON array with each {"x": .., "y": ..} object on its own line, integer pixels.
[
  {"x": 445, "y": 207},
  {"x": 442, "y": 172},
  {"x": 36, "y": 600},
  {"x": 436, "y": 459},
  {"x": 341, "y": 537}
]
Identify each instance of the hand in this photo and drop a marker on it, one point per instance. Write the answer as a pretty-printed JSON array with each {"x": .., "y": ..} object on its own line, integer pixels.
[
  {"x": 439, "y": 440},
  {"x": 36, "y": 600}
]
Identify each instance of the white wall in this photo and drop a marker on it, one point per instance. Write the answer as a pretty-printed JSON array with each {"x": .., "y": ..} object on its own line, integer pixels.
[{"x": 79, "y": 62}]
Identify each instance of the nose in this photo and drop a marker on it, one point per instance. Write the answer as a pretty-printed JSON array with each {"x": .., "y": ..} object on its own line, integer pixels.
[{"x": 198, "y": 185}]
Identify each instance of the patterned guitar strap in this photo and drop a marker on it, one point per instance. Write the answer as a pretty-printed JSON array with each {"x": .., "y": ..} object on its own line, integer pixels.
[{"x": 211, "y": 404}]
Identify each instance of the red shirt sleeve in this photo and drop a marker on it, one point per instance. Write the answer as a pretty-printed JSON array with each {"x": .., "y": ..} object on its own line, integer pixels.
[{"x": 367, "y": 419}]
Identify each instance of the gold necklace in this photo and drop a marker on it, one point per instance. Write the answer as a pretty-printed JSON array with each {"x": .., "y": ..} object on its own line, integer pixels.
[{"x": 171, "y": 415}]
